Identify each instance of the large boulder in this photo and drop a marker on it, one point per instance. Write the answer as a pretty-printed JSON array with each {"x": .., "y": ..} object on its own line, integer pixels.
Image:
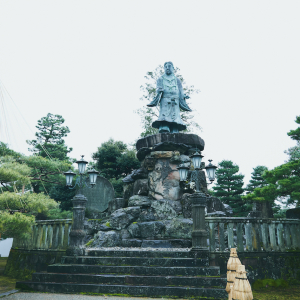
[
  {"x": 186, "y": 203},
  {"x": 140, "y": 187},
  {"x": 164, "y": 178},
  {"x": 115, "y": 204},
  {"x": 141, "y": 201},
  {"x": 136, "y": 174},
  {"x": 151, "y": 229},
  {"x": 134, "y": 230},
  {"x": 121, "y": 218},
  {"x": 128, "y": 190},
  {"x": 92, "y": 226},
  {"x": 105, "y": 239},
  {"x": 160, "y": 210},
  {"x": 165, "y": 209},
  {"x": 214, "y": 205},
  {"x": 146, "y": 215},
  {"x": 178, "y": 228}
]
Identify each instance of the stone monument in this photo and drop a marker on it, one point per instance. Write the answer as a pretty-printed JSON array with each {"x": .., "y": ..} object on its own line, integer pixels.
[
  {"x": 157, "y": 209},
  {"x": 99, "y": 196}
]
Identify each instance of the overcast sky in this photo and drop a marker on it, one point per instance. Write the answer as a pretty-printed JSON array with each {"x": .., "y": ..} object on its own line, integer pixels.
[{"x": 86, "y": 60}]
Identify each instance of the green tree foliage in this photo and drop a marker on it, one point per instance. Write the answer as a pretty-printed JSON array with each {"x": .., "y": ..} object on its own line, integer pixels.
[
  {"x": 13, "y": 174},
  {"x": 229, "y": 187},
  {"x": 295, "y": 134},
  {"x": 256, "y": 178},
  {"x": 50, "y": 138},
  {"x": 5, "y": 151},
  {"x": 283, "y": 181},
  {"x": 18, "y": 212},
  {"x": 294, "y": 152},
  {"x": 51, "y": 160},
  {"x": 115, "y": 161},
  {"x": 286, "y": 179},
  {"x": 15, "y": 225},
  {"x": 46, "y": 173},
  {"x": 149, "y": 114}
]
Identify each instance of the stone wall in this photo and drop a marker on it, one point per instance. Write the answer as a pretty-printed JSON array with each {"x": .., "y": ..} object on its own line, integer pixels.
[
  {"x": 261, "y": 265},
  {"x": 22, "y": 263}
]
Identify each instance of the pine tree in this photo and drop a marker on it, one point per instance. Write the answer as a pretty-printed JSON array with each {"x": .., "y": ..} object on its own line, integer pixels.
[
  {"x": 50, "y": 138},
  {"x": 229, "y": 187},
  {"x": 294, "y": 152},
  {"x": 283, "y": 182},
  {"x": 256, "y": 178}
]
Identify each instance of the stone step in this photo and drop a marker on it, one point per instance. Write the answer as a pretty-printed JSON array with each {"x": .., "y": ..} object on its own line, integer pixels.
[
  {"x": 136, "y": 261},
  {"x": 131, "y": 280},
  {"x": 145, "y": 253},
  {"x": 134, "y": 270},
  {"x": 142, "y": 290}
]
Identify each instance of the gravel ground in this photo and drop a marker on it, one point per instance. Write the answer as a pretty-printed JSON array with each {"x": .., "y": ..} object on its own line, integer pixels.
[{"x": 48, "y": 296}]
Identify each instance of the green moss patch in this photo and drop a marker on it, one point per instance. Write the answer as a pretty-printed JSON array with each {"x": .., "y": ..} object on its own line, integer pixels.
[
  {"x": 275, "y": 293},
  {"x": 6, "y": 283}
]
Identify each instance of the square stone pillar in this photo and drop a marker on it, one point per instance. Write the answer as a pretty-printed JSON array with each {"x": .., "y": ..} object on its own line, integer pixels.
[{"x": 199, "y": 233}]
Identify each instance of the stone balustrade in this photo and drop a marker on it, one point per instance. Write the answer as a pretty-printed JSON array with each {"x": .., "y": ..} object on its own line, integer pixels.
[
  {"x": 252, "y": 234},
  {"x": 245, "y": 234},
  {"x": 47, "y": 235}
]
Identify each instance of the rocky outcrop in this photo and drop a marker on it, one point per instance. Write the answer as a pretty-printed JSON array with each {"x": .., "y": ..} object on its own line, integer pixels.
[
  {"x": 105, "y": 239},
  {"x": 146, "y": 230},
  {"x": 121, "y": 218},
  {"x": 128, "y": 190},
  {"x": 140, "y": 187},
  {"x": 164, "y": 179},
  {"x": 214, "y": 205},
  {"x": 141, "y": 201},
  {"x": 151, "y": 229},
  {"x": 115, "y": 204},
  {"x": 186, "y": 203},
  {"x": 178, "y": 228}
]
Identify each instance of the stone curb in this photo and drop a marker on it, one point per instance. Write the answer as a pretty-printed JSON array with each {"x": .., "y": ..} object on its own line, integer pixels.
[{"x": 8, "y": 293}]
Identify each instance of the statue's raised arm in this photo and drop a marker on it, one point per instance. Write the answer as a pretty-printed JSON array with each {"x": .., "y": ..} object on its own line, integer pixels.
[{"x": 170, "y": 97}]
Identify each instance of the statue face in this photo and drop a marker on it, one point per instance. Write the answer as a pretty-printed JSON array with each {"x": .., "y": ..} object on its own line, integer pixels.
[{"x": 168, "y": 69}]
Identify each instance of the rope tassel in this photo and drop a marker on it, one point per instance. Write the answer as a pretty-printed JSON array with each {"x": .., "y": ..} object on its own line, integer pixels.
[
  {"x": 241, "y": 287},
  {"x": 232, "y": 266}
]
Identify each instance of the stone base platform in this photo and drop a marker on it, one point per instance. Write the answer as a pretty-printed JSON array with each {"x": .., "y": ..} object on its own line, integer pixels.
[
  {"x": 161, "y": 140},
  {"x": 136, "y": 273}
]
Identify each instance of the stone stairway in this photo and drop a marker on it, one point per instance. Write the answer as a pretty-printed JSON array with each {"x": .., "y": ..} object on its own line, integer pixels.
[{"x": 155, "y": 273}]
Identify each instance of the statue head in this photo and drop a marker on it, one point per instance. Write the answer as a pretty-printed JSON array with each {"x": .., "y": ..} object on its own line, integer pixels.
[{"x": 169, "y": 68}]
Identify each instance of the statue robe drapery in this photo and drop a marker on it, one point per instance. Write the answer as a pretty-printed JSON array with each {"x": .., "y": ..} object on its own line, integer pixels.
[{"x": 170, "y": 100}]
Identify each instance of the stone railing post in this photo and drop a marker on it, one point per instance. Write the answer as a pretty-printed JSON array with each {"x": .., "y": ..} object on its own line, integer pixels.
[
  {"x": 199, "y": 233},
  {"x": 77, "y": 233}
]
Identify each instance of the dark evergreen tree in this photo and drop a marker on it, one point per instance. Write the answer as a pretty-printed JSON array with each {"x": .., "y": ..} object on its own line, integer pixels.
[
  {"x": 294, "y": 152},
  {"x": 115, "y": 161},
  {"x": 4, "y": 150},
  {"x": 50, "y": 136},
  {"x": 50, "y": 145},
  {"x": 283, "y": 182},
  {"x": 256, "y": 179},
  {"x": 229, "y": 187},
  {"x": 64, "y": 195}
]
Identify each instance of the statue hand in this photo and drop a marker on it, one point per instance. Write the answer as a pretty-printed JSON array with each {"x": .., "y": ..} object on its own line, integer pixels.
[{"x": 186, "y": 96}]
